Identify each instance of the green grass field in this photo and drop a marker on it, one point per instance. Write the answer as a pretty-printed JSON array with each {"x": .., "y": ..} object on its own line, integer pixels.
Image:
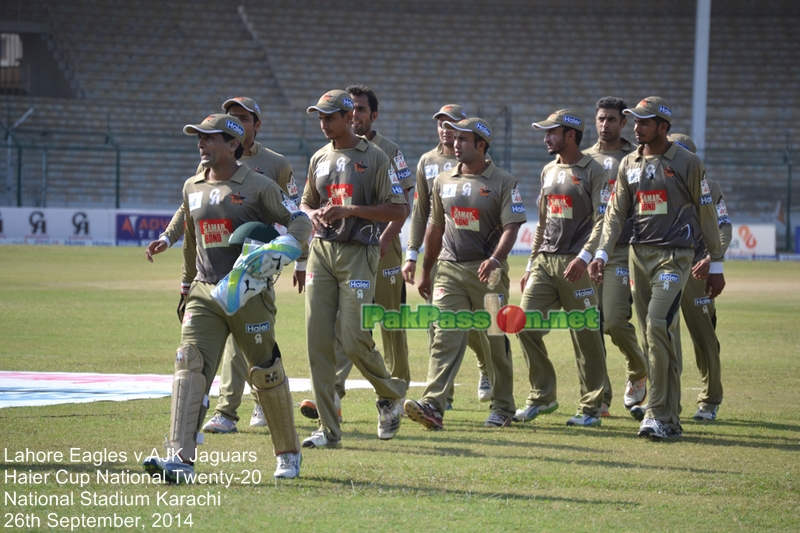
[{"x": 108, "y": 310}]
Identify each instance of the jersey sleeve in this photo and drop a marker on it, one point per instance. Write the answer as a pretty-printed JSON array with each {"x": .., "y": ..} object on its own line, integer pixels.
[
  {"x": 436, "y": 207},
  {"x": 310, "y": 193},
  {"x": 189, "y": 269},
  {"x": 723, "y": 218},
  {"x": 286, "y": 181},
  {"x": 598, "y": 180},
  {"x": 422, "y": 209},
  {"x": 700, "y": 191},
  {"x": 277, "y": 207},
  {"x": 512, "y": 210},
  {"x": 175, "y": 229},
  {"x": 385, "y": 191},
  {"x": 541, "y": 207}
]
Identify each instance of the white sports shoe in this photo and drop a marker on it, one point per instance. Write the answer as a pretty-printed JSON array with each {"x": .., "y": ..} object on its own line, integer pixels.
[
  {"x": 389, "y": 417},
  {"x": 288, "y": 465},
  {"x": 319, "y": 440},
  {"x": 532, "y": 411},
  {"x": 220, "y": 424},
  {"x": 635, "y": 392},
  {"x": 173, "y": 471},
  {"x": 484, "y": 389},
  {"x": 258, "y": 420}
]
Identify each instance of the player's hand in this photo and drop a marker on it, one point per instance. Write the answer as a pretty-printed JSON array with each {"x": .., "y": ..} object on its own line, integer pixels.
[
  {"x": 575, "y": 270},
  {"x": 408, "y": 271},
  {"x": 701, "y": 268},
  {"x": 154, "y": 248},
  {"x": 425, "y": 286},
  {"x": 596, "y": 270},
  {"x": 523, "y": 282},
  {"x": 299, "y": 280},
  {"x": 714, "y": 285},
  {"x": 182, "y": 307},
  {"x": 331, "y": 213},
  {"x": 486, "y": 269}
]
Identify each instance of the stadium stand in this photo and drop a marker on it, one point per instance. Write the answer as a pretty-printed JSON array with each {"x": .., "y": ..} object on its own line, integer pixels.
[{"x": 138, "y": 71}]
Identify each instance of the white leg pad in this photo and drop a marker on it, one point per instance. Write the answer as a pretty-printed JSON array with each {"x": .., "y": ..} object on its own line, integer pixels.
[
  {"x": 272, "y": 390},
  {"x": 189, "y": 401}
]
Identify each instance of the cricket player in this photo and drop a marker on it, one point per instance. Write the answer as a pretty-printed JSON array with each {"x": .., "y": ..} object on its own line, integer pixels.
[
  {"x": 664, "y": 185},
  {"x": 699, "y": 311},
  {"x": 390, "y": 289},
  {"x": 476, "y": 213},
  {"x": 272, "y": 164},
  {"x": 216, "y": 201},
  {"x": 350, "y": 191},
  {"x": 615, "y": 293},
  {"x": 440, "y": 159},
  {"x": 570, "y": 222}
]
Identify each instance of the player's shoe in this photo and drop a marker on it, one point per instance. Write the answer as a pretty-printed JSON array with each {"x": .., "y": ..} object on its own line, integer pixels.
[
  {"x": 172, "y": 470},
  {"x": 220, "y": 424},
  {"x": 288, "y": 465},
  {"x": 635, "y": 392},
  {"x": 484, "y": 389},
  {"x": 638, "y": 411},
  {"x": 532, "y": 411},
  {"x": 257, "y": 420},
  {"x": 423, "y": 413},
  {"x": 319, "y": 440},
  {"x": 309, "y": 407},
  {"x": 582, "y": 419},
  {"x": 604, "y": 411},
  {"x": 497, "y": 420},
  {"x": 652, "y": 429},
  {"x": 706, "y": 413},
  {"x": 389, "y": 412}
]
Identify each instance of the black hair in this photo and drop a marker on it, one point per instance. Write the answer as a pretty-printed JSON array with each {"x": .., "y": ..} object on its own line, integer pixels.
[
  {"x": 611, "y": 102},
  {"x": 227, "y": 137},
  {"x": 659, "y": 120},
  {"x": 372, "y": 98}
]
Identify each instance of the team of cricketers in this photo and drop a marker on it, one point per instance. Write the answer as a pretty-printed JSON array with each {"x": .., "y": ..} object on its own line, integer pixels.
[{"x": 621, "y": 229}]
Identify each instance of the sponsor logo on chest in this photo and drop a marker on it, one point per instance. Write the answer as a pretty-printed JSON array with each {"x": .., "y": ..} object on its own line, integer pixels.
[
  {"x": 340, "y": 193},
  {"x": 466, "y": 218},
  {"x": 559, "y": 206},
  {"x": 215, "y": 232},
  {"x": 651, "y": 202}
]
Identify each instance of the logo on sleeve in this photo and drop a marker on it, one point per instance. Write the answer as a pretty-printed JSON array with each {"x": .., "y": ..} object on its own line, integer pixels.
[
  {"x": 393, "y": 176},
  {"x": 400, "y": 161},
  {"x": 651, "y": 202},
  {"x": 722, "y": 209},
  {"x": 290, "y": 206},
  {"x": 291, "y": 187},
  {"x": 396, "y": 189},
  {"x": 516, "y": 197},
  {"x": 466, "y": 218},
  {"x": 704, "y": 188},
  {"x": 340, "y": 193},
  {"x": 559, "y": 206},
  {"x": 605, "y": 195},
  {"x": 215, "y": 232},
  {"x": 517, "y": 208},
  {"x": 705, "y": 200}
]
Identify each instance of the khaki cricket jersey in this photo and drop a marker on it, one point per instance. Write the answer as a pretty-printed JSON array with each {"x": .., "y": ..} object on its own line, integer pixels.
[
  {"x": 570, "y": 218},
  {"x": 430, "y": 165},
  {"x": 474, "y": 210},
  {"x": 398, "y": 168},
  {"x": 610, "y": 160},
  {"x": 661, "y": 190},
  {"x": 214, "y": 209},
  {"x": 354, "y": 176}
]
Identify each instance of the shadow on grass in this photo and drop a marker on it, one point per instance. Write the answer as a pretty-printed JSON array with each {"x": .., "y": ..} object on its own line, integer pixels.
[{"x": 348, "y": 484}]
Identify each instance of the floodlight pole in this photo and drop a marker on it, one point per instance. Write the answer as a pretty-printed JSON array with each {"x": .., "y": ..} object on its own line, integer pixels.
[{"x": 788, "y": 160}]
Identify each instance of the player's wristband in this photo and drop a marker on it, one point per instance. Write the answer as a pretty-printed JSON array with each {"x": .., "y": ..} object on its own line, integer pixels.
[
  {"x": 300, "y": 266},
  {"x": 166, "y": 240},
  {"x": 585, "y": 256},
  {"x": 601, "y": 254},
  {"x": 529, "y": 266},
  {"x": 411, "y": 255},
  {"x": 185, "y": 288},
  {"x": 715, "y": 267}
]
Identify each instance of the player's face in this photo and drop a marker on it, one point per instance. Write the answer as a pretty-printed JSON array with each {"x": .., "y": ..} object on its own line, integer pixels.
[
  {"x": 214, "y": 149},
  {"x": 646, "y": 130},
  {"x": 246, "y": 118},
  {"x": 334, "y": 125},
  {"x": 555, "y": 140},
  {"x": 610, "y": 123},
  {"x": 445, "y": 135},
  {"x": 362, "y": 117},
  {"x": 464, "y": 146}
]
